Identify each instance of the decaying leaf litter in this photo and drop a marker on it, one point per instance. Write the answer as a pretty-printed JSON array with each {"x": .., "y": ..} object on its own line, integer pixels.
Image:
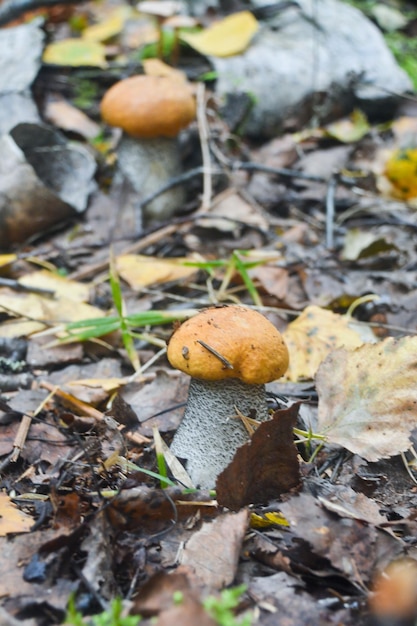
[{"x": 313, "y": 228}]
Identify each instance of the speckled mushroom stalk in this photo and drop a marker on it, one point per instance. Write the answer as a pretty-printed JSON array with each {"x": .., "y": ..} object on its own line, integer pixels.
[{"x": 230, "y": 353}]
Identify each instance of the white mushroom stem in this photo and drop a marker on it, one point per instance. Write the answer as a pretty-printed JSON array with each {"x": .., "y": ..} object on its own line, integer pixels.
[
  {"x": 148, "y": 164},
  {"x": 211, "y": 430}
]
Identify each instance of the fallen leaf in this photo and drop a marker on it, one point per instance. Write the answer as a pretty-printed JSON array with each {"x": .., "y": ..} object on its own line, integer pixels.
[
  {"x": 213, "y": 551},
  {"x": 58, "y": 285},
  {"x": 156, "y": 67},
  {"x": 263, "y": 468},
  {"x": 229, "y": 206},
  {"x": 350, "y": 547},
  {"x": 227, "y": 37},
  {"x": 350, "y": 129},
  {"x": 63, "y": 115},
  {"x": 312, "y": 336},
  {"x": 108, "y": 28},
  {"x": 401, "y": 172},
  {"x": 157, "y": 594},
  {"x": 12, "y": 520},
  {"x": 7, "y": 259},
  {"x": 141, "y": 271},
  {"x": 75, "y": 53},
  {"x": 368, "y": 397},
  {"x": 361, "y": 244},
  {"x": 43, "y": 312}
]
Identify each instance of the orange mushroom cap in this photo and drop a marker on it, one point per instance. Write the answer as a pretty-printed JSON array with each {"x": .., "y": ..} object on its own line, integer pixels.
[
  {"x": 149, "y": 106},
  {"x": 229, "y": 342}
]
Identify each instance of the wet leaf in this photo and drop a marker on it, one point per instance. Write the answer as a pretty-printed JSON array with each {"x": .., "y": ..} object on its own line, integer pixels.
[
  {"x": 230, "y": 36},
  {"x": 368, "y": 397},
  {"x": 312, "y": 336}
]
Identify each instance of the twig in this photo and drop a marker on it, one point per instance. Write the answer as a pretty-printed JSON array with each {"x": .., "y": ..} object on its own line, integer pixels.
[
  {"x": 330, "y": 194},
  {"x": 148, "y": 240},
  {"x": 16, "y": 286},
  {"x": 85, "y": 409},
  {"x": 12, "y": 9},
  {"x": 176, "y": 181},
  {"x": 279, "y": 171},
  {"x": 205, "y": 150},
  {"x": 221, "y": 358},
  {"x": 23, "y": 430}
]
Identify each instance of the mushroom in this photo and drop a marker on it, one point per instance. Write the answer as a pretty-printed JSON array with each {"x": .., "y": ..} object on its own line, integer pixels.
[
  {"x": 151, "y": 111},
  {"x": 230, "y": 353}
]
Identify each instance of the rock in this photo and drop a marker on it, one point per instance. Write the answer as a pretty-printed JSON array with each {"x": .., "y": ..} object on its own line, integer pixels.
[
  {"x": 319, "y": 60},
  {"x": 20, "y": 60},
  {"x": 44, "y": 180}
]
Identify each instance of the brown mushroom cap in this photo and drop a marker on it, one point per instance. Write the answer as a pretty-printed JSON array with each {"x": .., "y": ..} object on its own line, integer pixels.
[
  {"x": 244, "y": 338},
  {"x": 149, "y": 106}
]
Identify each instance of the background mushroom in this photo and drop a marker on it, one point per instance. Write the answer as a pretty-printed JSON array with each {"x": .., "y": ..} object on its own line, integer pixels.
[
  {"x": 151, "y": 111},
  {"x": 230, "y": 353}
]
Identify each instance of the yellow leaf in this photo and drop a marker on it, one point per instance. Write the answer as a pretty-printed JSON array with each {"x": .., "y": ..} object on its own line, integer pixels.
[
  {"x": 12, "y": 520},
  {"x": 230, "y": 36},
  {"x": 312, "y": 336},
  {"x": 350, "y": 129},
  {"x": 368, "y": 397},
  {"x": 268, "y": 519},
  {"x": 156, "y": 67},
  {"x": 75, "y": 53},
  {"x": 108, "y": 28},
  {"x": 58, "y": 285},
  {"x": 7, "y": 259},
  {"x": 401, "y": 171},
  {"x": 141, "y": 271},
  {"x": 42, "y": 312},
  {"x": 108, "y": 385}
]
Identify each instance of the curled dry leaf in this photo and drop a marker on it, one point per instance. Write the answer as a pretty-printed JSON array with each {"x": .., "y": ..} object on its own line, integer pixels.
[
  {"x": 368, "y": 397},
  {"x": 263, "y": 468}
]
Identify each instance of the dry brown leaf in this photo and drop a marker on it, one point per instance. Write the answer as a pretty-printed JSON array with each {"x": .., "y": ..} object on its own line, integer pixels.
[
  {"x": 264, "y": 467},
  {"x": 368, "y": 397},
  {"x": 228, "y": 206},
  {"x": 213, "y": 551},
  {"x": 66, "y": 116},
  {"x": 142, "y": 271},
  {"x": 12, "y": 520},
  {"x": 312, "y": 336}
]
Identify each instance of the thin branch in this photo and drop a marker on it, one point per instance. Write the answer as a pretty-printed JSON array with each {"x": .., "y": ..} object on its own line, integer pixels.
[{"x": 205, "y": 150}]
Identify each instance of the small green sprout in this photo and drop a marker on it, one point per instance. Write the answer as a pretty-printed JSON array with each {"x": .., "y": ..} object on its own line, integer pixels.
[
  {"x": 113, "y": 616},
  {"x": 222, "y": 609}
]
